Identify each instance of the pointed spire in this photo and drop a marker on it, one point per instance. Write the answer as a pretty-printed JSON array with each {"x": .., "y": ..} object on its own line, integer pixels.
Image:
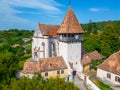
[{"x": 70, "y": 23}]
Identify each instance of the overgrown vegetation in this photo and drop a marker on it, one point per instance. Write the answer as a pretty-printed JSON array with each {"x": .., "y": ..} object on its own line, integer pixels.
[
  {"x": 101, "y": 85},
  {"x": 10, "y": 55},
  {"x": 95, "y": 63},
  {"x": 105, "y": 41},
  {"x": 38, "y": 83}
]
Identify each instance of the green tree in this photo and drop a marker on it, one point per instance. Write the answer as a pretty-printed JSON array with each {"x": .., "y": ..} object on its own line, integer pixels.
[
  {"x": 37, "y": 83},
  {"x": 8, "y": 66}
]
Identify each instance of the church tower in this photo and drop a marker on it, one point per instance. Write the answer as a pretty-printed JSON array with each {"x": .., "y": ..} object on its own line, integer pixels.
[{"x": 70, "y": 36}]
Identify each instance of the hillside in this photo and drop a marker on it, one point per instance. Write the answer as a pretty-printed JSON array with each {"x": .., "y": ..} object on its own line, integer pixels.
[
  {"x": 102, "y": 36},
  {"x": 98, "y": 25}
]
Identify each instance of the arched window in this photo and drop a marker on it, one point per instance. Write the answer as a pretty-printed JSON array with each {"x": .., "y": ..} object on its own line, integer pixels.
[
  {"x": 60, "y": 37},
  {"x": 76, "y": 36}
]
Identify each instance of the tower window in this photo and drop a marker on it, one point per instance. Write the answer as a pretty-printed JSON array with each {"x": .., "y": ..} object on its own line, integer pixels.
[
  {"x": 60, "y": 36},
  {"x": 76, "y": 36}
]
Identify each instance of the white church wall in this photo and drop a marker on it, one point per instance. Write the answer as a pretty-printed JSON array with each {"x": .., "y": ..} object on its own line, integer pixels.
[
  {"x": 63, "y": 50},
  {"x": 46, "y": 41},
  {"x": 41, "y": 45},
  {"x": 51, "y": 51},
  {"x": 74, "y": 52},
  {"x": 74, "y": 55},
  {"x": 71, "y": 52}
]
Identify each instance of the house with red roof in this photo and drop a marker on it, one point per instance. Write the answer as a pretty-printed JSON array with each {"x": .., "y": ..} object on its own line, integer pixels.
[
  {"x": 47, "y": 67},
  {"x": 88, "y": 57},
  {"x": 109, "y": 70}
]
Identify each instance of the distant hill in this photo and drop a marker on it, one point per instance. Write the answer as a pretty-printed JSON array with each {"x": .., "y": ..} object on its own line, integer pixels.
[
  {"x": 99, "y": 25},
  {"x": 14, "y": 36}
]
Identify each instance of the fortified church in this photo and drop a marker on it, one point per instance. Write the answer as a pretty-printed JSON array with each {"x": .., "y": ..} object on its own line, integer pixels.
[{"x": 54, "y": 41}]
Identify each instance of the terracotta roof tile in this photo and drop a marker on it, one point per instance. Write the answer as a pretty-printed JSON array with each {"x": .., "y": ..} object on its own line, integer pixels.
[
  {"x": 86, "y": 60},
  {"x": 70, "y": 23},
  {"x": 88, "y": 57},
  {"x": 44, "y": 64},
  {"x": 95, "y": 55},
  {"x": 50, "y": 30},
  {"x": 54, "y": 63},
  {"x": 112, "y": 63},
  {"x": 31, "y": 67}
]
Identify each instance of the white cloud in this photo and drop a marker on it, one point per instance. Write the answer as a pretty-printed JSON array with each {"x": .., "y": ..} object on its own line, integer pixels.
[
  {"x": 9, "y": 19},
  {"x": 53, "y": 16},
  {"x": 49, "y": 5},
  {"x": 94, "y": 9},
  {"x": 97, "y": 9}
]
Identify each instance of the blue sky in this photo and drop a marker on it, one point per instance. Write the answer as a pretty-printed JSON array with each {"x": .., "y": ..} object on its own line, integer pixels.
[{"x": 26, "y": 14}]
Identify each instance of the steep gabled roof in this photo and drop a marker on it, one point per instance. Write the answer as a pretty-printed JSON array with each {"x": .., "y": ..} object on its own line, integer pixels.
[
  {"x": 70, "y": 23},
  {"x": 88, "y": 57},
  {"x": 86, "y": 60},
  {"x": 95, "y": 55},
  {"x": 44, "y": 64},
  {"x": 54, "y": 63},
  {"x": 48, "y": 29},
  {"x": 112, "y": 63}
]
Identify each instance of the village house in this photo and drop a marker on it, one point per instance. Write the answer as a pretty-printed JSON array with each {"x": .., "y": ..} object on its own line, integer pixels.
[
  {"x": 15, "y": 45},
  {"x": 109, "y": 70},
  {"x": 26, "y": 39},
  {"x": 47, "y": 67},
  {"x": 51, "y": 41},
  {"x": 88, "y": 57}
]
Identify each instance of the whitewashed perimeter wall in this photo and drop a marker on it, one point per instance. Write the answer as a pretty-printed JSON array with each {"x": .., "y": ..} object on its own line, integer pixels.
[{"x": 103, "y": 76}]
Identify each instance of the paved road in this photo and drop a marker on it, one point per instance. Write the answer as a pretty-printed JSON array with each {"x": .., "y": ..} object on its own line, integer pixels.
[{"x": 79, "y": 83}]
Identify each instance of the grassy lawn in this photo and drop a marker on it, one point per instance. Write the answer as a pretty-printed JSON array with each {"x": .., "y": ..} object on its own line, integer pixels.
[
  {"x": 21, "y": 62},
  {"x": 93, "y": 78},
  {"x": 101, "y": 85}
]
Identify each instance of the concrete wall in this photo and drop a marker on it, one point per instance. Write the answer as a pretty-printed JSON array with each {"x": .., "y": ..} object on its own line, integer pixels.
[{"x": 103, "y": 76}]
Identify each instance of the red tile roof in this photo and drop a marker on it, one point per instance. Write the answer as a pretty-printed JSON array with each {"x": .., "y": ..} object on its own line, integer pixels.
[
  {"x": 44, "y": 64},
  {"x": 55, "y": 63},
  {"x": 95, "y": 55},
  {"x": 112, "y": 63},
  {"x": 50, "y": 30},
  {"x": 70, "y": 23},
  {"x": 31, "y": 67},
  {"x": 88, "y": 57},
  {"x": 86, "y": 60}
]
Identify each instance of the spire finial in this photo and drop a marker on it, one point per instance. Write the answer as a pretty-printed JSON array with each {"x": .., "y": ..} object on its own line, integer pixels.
[{"x": 69, "y": 2}]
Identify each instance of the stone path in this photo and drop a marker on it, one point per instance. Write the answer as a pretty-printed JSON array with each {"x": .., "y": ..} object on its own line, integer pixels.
[{"x": 79, "y": 83}]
